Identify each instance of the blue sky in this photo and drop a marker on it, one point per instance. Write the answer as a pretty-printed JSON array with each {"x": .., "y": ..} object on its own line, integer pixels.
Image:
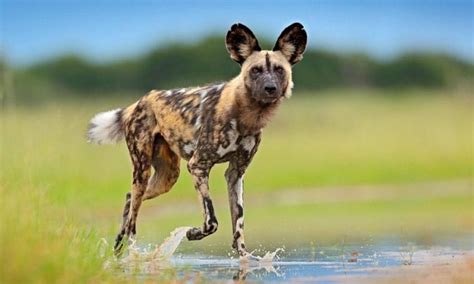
[{"x": 33, "y": 31}]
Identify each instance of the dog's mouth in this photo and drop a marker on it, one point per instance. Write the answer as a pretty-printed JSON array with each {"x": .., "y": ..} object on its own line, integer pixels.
[
  {"x": 270, "y": 99},
  {"x": 264, "y": 99},
  {"x": 266, "y": 102}
]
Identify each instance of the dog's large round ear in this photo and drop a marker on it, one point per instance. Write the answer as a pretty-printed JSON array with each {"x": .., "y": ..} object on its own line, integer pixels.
[
  {"x": 241, "y": 43},
  {"x": 292, "y": 42}
]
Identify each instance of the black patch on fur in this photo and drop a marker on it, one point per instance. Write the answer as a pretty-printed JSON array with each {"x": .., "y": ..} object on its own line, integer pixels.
[
  {"x": 194, "y": 119},
  {"x": 237, "y": 235},
  {"x": 267, "y": 62},
  {"x": 240, "y": 213},
  {"x": 207, "y": 203}
]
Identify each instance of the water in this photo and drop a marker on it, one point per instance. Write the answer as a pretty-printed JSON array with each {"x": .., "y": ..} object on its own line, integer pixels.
[
  {"x": 307, "y": 264},
  {"x": 327, "y": 267}
]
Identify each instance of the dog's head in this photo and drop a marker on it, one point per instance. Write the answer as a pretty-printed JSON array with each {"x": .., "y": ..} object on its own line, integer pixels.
[{"x": 267, "y": 73}]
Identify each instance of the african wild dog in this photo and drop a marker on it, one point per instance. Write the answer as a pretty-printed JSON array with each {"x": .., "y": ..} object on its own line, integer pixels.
[{"x": 204, "y": 125}]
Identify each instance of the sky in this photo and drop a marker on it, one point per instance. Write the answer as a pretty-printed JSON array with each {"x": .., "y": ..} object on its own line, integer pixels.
[{"x": 104, "y": 30}]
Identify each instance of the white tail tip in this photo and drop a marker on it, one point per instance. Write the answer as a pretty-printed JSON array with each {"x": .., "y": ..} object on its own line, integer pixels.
[{"x": 106, "y": 128}]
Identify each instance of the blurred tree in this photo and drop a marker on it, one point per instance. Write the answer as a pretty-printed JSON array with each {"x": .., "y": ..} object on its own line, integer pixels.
[{"x": 178, "y": 64}]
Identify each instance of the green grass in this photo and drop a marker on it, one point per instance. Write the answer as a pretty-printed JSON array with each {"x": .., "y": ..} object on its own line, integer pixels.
[
  {"x": 60, "y": 195},
  {"x": 327, "y": 139}
]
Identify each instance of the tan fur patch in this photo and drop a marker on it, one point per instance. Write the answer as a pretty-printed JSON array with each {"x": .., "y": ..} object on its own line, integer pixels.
[
  {"x": 170, "y": 122},
  {"x": 227, "y": 98}
]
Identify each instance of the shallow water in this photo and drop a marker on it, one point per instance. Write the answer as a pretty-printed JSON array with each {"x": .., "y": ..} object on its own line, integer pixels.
[
  {"x": 324, "y": 268},
  {"x": 306, "y": 264}
]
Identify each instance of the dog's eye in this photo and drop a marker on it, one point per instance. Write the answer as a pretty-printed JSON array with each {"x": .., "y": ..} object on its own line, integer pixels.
[
  {"x": 279, "y": 69},
  {"x": 256, "y": 70}
]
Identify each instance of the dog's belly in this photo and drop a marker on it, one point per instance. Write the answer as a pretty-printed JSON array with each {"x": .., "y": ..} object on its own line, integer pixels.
[{"x": 183, "y": 146}]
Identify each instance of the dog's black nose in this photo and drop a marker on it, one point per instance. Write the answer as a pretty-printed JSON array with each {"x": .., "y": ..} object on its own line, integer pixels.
[{"x": 270, "y": 89}]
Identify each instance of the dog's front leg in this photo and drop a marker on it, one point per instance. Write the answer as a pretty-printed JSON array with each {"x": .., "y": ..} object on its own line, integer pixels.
[
  {"x": 234, "y": 178},
  {"x": 200, "y": 174},
  {"x": 235, "y": 185}
]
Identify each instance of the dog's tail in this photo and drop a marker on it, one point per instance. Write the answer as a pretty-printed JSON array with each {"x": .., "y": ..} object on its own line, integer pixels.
[{"x": 108, "y": 127}]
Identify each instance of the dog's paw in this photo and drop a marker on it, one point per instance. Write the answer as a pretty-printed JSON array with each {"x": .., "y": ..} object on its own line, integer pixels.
[
  {"x": 119, "y": 244},
  {"x": 194, "y": 234}
]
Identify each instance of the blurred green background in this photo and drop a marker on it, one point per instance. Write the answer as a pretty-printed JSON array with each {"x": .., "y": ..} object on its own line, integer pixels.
[
  {"x": 182, "y": 64},
  {"x": 372, "y": 145}
]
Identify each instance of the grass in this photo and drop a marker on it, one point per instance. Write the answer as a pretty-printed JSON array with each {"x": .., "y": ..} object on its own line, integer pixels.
[
  {"x": 41, "y": 243},
  {"x": 60, "y": 196},
  {"x": 330, "y": 139}
]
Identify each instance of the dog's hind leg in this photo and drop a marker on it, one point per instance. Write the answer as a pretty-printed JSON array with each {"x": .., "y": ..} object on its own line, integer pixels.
[
  {"x": 126, "y": 208},
  {"x": 139, "y": 139},
  {"x": 166, "y": 165}
]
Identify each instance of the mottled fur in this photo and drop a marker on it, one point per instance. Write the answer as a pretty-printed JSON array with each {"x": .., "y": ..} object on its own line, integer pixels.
[{"x": 204, "y": 125}]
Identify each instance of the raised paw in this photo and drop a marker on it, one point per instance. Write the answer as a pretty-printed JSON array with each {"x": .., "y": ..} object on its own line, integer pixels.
[{"x": 195, "y": 234}]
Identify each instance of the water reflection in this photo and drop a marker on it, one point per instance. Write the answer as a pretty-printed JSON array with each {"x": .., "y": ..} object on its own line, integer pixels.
[{"x": 245, "y": 269}]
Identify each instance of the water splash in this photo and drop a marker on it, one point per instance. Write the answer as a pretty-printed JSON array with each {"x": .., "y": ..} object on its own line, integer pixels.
[
  {"x": 147, "y": 261},
  {"x": 162, "y": 252},
  {"x": 268, "y": 257},
  {"x": 170, "y": 244}
]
